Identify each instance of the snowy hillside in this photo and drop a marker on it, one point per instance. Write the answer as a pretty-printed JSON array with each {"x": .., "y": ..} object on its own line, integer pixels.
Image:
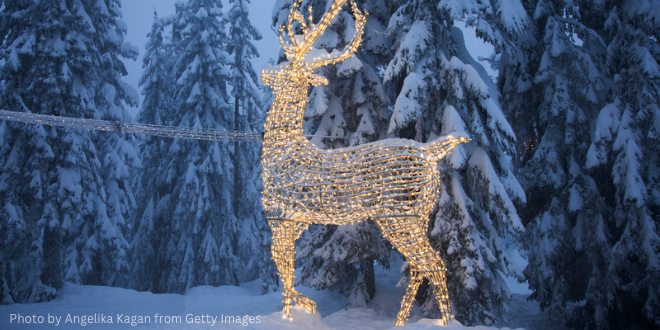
[{"x": 211, "y": 304}]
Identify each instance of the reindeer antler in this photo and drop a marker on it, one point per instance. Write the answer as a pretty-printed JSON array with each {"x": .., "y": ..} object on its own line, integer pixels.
[
  {"x": 351, "y": 48},
  {"x": 311, "y": 32},
  {"x": 294, "y": 15}
]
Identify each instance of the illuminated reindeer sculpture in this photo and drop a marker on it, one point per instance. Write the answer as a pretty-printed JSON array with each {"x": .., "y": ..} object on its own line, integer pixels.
[{"x": 393, "y": 182}]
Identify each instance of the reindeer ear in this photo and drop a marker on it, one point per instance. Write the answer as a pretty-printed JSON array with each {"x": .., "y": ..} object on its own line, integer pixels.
[
  {"x": 266, "y": 78},
  {"x": 272, "y": 79},
  {"x": 316, "y": 80}
]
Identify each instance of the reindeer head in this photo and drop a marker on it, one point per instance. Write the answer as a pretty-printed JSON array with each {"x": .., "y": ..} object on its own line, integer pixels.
[{"x": 298, "y": 71}]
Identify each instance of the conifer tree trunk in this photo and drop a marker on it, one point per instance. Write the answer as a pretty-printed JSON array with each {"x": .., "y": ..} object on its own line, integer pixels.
[{"x": 237, "y": 149}]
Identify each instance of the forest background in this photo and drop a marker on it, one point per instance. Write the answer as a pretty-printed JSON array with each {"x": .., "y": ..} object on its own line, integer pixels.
[{"x": 563, "y": 167}]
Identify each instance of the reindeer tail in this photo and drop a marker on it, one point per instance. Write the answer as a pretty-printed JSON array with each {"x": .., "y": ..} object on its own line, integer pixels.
[{"x": 440, "y": 147}]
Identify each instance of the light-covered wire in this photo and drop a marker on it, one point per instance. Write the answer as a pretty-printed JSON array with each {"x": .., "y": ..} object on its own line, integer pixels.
[
  {"x": 134, "y": 128},
  {"x": 129, "y": 128}
]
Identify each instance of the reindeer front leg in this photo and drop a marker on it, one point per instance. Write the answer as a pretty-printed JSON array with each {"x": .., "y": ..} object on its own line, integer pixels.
[
  {"x": 409, "y": 298},
  {"x": 285, "y": 233}
]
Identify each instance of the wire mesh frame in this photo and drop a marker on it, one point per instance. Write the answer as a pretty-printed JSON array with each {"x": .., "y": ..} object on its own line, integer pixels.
[{"x": 393, "y": 182}]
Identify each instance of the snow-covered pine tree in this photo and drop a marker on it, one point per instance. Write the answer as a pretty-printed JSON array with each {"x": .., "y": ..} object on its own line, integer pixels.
[
  {"x": 157, "y": 74},
  {"x": 153, "y": 236},
  {"x": 552, "y": 88},
  {"x": 193, "y": 183},
  {"x": 627, "y": 144},
  {"x": 351, "y": 110},
  {"x": 439, "y": 89},
  {"x": 593, "y": 173},
  {"x": 254, "y": 240},
  {"x": 65, "y": 192}
]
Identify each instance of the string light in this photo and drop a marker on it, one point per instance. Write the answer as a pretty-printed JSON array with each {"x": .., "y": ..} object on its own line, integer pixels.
[
  {"x": 129, "y": 128},
  {"x": 144, "y": 129},
  {"x": 393, "y": 182}
]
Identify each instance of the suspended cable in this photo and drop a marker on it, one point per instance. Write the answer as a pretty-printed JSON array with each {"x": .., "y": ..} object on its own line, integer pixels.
[
  {"x": 135, "y": 128},
  {"x": 129, "y": 128}
]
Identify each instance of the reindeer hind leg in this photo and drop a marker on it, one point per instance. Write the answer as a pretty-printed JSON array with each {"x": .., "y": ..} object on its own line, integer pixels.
[
  {"x": 408, "y": 299},
  {"x": 432, "y": 267},
  {"x": 408, "y": 235},
  {"x": 439, "y": 282}
]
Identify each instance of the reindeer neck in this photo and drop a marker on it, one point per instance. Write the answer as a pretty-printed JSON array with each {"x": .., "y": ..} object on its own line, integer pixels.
[{"x": 285, "y": 118}]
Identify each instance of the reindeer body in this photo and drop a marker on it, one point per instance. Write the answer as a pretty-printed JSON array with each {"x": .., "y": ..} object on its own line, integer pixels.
[
  {"x": 308, "y": 184},
  {"x": 393, "y": 182}
]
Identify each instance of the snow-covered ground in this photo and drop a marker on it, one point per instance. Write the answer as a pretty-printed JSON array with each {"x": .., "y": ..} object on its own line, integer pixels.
[{"x": 239, "y": 307}]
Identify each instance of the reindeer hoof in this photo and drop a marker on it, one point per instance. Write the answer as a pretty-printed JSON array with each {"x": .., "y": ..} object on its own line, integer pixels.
[
  {"x": 305, "y": 302},
  {"x": 286, "y": 312}
]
